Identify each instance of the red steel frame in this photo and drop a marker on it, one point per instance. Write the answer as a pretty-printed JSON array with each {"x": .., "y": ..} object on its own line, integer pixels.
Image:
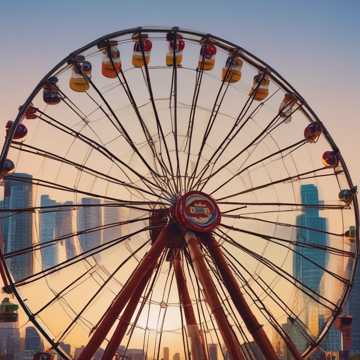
[
  {"x": 231, "y": 342},
  {"x": 256, "y": 330},
  {"x": 2, "y": 269},
  {"x": 145, "y": 267},
  {"x": 198, "y": 350}
]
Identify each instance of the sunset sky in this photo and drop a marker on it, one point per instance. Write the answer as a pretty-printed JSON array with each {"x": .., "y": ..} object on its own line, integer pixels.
[{"x": 314, "y": 45}]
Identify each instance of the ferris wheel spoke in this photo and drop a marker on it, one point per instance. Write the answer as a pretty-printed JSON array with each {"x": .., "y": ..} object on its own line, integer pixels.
[
  {"x": 238, "y": 299},
  {"x": 146, "y": 265},
  {"x": 98, "y": 291},
  {"x": 303, "y": 244},
  {"x": 230, "y": 136},
  {"x": 101, "y": 149},
  {"x": 280, "y": 181},
  {"x": 125, "y": 85},
  {"x": 75, "y": 259},
  {"x": 45, "y": 244},
  {"x": 149, "y": 290},
  {"x": 196, "y": 337},
  {"x": 308, "y": 291},
  {"x": 189, "y": 134},
  {"x": 156, "y": 114},
  {"x": 202, "y": 299},
  {"x": 52, "y": 185},
  {"x": 121, "y": 128},
  {"x": 174, "y": 95},
  {"x": 285, "y": 224},
  {"x": 63, "y": 291},
  {"x": 267, "y": 289},
  {"x": 213, "y": 115},
  {"x": 97, "y": 174},
  {"x": 229, "y": 306},
  {"x": 242, "y": 170},
  {"x": 262, "y": 134}
]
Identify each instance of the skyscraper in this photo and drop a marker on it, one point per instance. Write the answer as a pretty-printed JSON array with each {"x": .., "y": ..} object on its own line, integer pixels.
[
  {"x": 89, "y": 217},
  {"x": 64, "y": 226},
  {"x": 18, "y": 227},
  {"x": 213, "y": 352},
  {"x": 304, "y": 270},
  {"x": 9, "y": 331},
  {"x": 354, "y": 311},
  {"x": 111, "y": 215},
  {"x": 47, "y": 224},
  {"x": 166, "y": 353},
  {"x": 33, "y": 342}
]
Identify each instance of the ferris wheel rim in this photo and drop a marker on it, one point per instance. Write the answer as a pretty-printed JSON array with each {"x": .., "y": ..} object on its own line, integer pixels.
[{"x": 310, "y": 114}]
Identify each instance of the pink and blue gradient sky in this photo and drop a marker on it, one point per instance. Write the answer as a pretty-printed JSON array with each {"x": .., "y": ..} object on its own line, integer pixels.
[{"x": 314, "y": 44}]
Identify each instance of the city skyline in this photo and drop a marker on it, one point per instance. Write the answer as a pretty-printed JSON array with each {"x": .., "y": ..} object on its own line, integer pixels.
[{"x": 224, "y": 147}]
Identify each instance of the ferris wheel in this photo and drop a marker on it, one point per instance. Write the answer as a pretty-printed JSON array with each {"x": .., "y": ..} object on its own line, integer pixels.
[{"x": 179, "y": 193}]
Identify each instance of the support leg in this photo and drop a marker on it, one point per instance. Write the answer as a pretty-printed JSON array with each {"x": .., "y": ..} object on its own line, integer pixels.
[
  {"x": 256, "y": 330},
  {"x": 147, "y": 264},
  {"x": 231, "y": 342},
  {"x": 198, "y": 350},
  {"x": 125, "y": 319}
]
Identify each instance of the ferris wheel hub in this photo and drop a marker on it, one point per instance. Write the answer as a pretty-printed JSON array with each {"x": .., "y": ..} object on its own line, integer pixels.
[{"x": 197, "y": 211}]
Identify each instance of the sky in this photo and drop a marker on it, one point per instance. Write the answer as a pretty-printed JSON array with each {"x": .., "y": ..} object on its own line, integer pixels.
[{"x": 314, "y": 45}]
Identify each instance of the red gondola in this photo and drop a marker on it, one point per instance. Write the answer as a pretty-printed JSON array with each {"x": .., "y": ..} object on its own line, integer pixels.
[
  {"x": 142, "y": 50},
  {"x": 51, "y": 94},
  {"x": 312, "y": 132},
  {"x": 207, "y": 55},
  {"x": 20, "y": 131},
  {"x": 30, "y": 112},
  {"x": 287, "y": 106},
  {"x": 177, "y": 43},
  {"x": 330, "y": 158}
]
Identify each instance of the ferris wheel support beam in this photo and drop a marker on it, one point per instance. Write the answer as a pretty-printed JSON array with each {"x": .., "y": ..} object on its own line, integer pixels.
[
  {"x": 125, "y": 319},
  {"x": 256, "y": 330},
  {"x": 231, "y": 342},
  {"x": 146, "y": 266},
  {"x": 198, "y": 350}
]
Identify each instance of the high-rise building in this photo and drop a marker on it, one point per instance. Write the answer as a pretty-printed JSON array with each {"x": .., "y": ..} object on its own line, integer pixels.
[
  {"x": 166, "y": 353},
  {"x": 9, "y": 331},
  {"x": 176, "y": 356},
  {"x": 64, "y": 227},
  {"x": 135, "y": 354},
  {"x": 66, "y": 348},
  {"x": 111, "y": 216},
  {"x": 305, "y": 271},
  {"x": 354, "y": 311},
  {"x": 47, "y": 225},
  {"x": 33, "y": 343},
  {"x": 89, "y": 216},
  {"x": 213, "y": 351},
  {"x": 18, "y": 227}
]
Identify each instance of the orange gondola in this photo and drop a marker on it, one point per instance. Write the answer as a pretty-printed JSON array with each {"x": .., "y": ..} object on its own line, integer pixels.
[
  {"x": 111, "y": 63},
  {"x": 231, "y": 72},
  {"x": 81, "y": 73},
  {"x": 287, "y": 105},
  {"x": 260, "y": 87}
]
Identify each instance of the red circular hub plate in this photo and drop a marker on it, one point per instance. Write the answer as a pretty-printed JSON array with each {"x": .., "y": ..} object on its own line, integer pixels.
[{"x": 197, "y": 211}]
